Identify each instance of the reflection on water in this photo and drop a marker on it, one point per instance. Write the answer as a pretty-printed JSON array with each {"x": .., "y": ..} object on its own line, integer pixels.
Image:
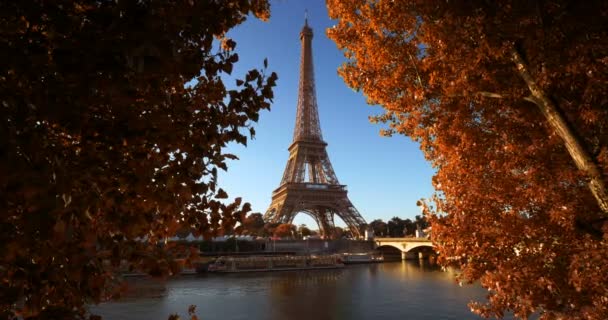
[{"x": 408, "y": 290}]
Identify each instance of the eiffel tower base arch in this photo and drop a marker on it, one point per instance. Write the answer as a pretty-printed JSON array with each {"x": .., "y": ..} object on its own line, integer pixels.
[{"x": 319, "y": 201}]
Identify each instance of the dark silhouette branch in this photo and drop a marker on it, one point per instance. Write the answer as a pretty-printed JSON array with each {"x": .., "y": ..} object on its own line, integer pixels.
[{"x": 581, "y": 157}]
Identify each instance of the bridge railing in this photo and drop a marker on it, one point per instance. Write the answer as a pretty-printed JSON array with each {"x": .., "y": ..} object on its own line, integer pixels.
[{"x": 403, "y": 239}]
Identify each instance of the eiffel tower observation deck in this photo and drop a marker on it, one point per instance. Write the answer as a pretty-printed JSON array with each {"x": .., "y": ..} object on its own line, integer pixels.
[{"x": 309, "y": 184}]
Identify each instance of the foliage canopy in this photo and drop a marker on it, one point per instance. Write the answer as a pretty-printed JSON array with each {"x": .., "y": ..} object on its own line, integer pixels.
[
  {"x": 106, "y": 141},
  {"x": 508, "y": 101}
]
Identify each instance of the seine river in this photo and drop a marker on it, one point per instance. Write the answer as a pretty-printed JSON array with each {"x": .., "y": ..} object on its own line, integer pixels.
[{"x": 394, "y": 290}]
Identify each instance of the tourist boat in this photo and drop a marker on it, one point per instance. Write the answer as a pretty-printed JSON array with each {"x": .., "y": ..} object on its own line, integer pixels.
[
  {"x": 353, "y": 258},
  {"x": 275, "y": 263}
]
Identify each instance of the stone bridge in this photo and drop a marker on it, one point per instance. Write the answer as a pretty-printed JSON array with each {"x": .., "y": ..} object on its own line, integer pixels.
[{"x": 410, "y": 248}]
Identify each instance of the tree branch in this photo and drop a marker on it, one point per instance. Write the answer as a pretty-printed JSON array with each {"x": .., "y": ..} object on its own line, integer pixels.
[
  {"x": 581, "y": 158},
  {"x": 416, "y": 69},
  {"x": 492, "y": 95}
]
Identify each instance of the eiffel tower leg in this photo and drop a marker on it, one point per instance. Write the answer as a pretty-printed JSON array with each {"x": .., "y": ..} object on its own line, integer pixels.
[
  {"x": 318, "y": 218},
  {"x": 273, "y": 214},
  {"x": 279, "y": 213},
  {"x": 288, "y": 213},
  {"x": 349, "y": 214},
  {"x": 288, "y": 218},
  {"x": 326, "y": 222},
  {"x": 329, "y": 215}
]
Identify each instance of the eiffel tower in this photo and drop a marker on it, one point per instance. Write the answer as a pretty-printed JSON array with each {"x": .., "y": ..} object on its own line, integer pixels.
[{"x": 309, "y": 184}]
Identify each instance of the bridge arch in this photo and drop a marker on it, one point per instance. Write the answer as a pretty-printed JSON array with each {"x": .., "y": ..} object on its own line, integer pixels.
[
  {"x": 390, "y": 252},
  {"x": 421, "y": 251},
  {"x": 390, "y": 246},
  {"x": 411, "y": 247}
]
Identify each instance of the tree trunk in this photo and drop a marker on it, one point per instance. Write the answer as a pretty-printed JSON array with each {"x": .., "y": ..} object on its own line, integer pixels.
[{"x": 581, "y": 158}]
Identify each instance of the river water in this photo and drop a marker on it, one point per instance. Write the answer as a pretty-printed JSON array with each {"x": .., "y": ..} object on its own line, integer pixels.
[{"x": 392, "y": 290}]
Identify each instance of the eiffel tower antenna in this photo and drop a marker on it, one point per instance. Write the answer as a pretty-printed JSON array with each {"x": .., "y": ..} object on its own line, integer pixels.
[{"x": 309, "y": 184}]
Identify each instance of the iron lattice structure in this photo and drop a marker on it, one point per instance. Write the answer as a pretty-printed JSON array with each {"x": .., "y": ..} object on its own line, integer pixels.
[{"x": 309, "y": 184}]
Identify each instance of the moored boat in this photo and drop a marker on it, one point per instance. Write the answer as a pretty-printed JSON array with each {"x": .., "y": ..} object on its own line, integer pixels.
[
  {"x": 275, "y": 263},
  {"x": 354, "y": 258}
]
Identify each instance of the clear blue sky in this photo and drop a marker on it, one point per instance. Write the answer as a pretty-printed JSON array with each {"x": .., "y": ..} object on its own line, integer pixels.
[{"x": 385, "y": 176}]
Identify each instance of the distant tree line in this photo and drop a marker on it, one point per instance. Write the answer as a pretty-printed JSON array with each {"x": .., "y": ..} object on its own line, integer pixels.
[
  {"x": 254, "y": 225},
  {"x": 397, "y": 227}
]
